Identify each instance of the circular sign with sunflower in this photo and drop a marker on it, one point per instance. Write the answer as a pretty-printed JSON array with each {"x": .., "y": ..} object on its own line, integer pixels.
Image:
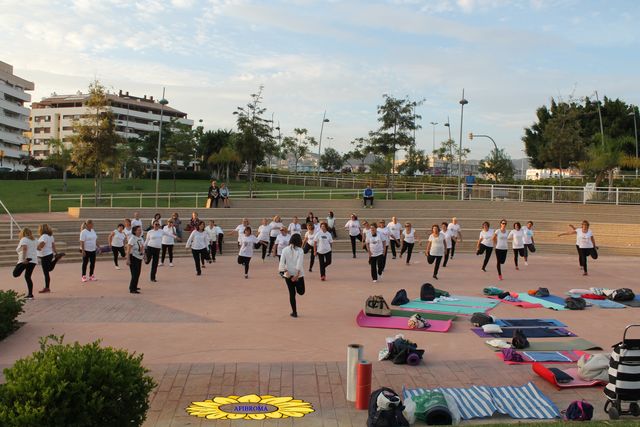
[{"x": 250, "y": 407}]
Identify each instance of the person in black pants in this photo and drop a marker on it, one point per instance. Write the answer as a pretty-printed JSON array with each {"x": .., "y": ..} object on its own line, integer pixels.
[
  {"x": 291, "y": 267},
  {"x": 135, "y": 253},
  {"x": 485, "y": 244},
  {"x": 355, "y": 232},
  {"x": 214, "y": 194},
  {"x": 322, "y": 245},
  {"x": 375, "y": 246},
  {"x": 307, "y": 245},
  {"x": 408, "y": 238},
  {"x": 27, "y": 258}
]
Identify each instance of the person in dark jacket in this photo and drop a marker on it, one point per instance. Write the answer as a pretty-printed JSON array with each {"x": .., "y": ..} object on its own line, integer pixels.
[{"x": 214, "y": 194}]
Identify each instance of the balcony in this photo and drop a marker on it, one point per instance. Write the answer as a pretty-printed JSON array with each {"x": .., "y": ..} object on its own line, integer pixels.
[
  {"x": 15, "y": 123},
  {"x": 14, "y": 108},
  {"x": 12, "y": 138},
  {"x": 17, "y": 93}
]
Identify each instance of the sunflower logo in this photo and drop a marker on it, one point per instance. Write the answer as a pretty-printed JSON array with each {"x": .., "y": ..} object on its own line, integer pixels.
[{"x": 250, "y": 407}]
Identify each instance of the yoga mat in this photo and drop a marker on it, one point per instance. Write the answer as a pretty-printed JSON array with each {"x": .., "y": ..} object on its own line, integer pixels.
[
  {"x": 529, "y": 332},
  {"x": 631, "y": 303},
  {"x": 363, "y": 390},
  {"x": 605, "y": 303},
  {"x": 445, "y": 307},
  {"x": 365, "y": 321},
  {"x": 527, "y": 361},
  {"x": 471, "y": 301},
  {"x": 546, "y": 304},
  {"x": 553, "y": 298},
  {"x": 424, "y": 314},
  {"x": 546, "y": 374},
  {"x": 521, "y": 304},
  {"x": 574, "y": 344},
  {"x": 530, "y": 323},
  {"x": 354, "y": 353}
]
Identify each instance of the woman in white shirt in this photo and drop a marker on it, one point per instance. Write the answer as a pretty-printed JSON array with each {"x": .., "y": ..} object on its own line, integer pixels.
[
  {"x": 501, "y": 243},
  {"x": 246, "y": 250},
  {"x": 355, "y": 232},
  {"x": 485, "y": 244},
  {"x": 517, "y": 242},
  {"x": 281, "y": 241},
  {"x": 212, "y": 233},
  {"x": 295, "y": 227},
  {"x": 127, "y": 230},
  {"x": 394, "y": 228},
  {"x": 153, "y": 244},
  {"x": 198, "y": 241},
  {"x": 169, "y": 237},
  {"x": 220, "y": 232},
  {"x": 456, "y": 234},
  {"x": 275, "y": 226},
  {"x": 308, "y": 243},
  {"x": 88, "y": 247},
  {"x": 408, "y": 238},
  {"x": 264, "y": 231},
  {"x": 436, "y": 247},
  {"x": 291, "y": 267},
  {"x": 47, "y": 254},
  {"x": 585, "y": 242},
  {"x": 444, "y": 229},
  {"x": 322, "y": 248},
  {"x": 135, "y": 254},
  {"x": 117, "y": 240},
  {"x": 384, "y": 233},
  {"x": 529, "y": 244},
  {"x": 27, "y": 251},
  {"x": 240, "y": 229},
  {"x": 375, "y": 246}
]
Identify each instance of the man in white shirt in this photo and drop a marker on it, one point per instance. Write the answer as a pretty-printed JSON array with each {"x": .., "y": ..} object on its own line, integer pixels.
[
  {"x": 394, "y": 229},
  {"x": 137, "y": 221},
  {"x": 375, "y": 247},
  {"x": 456, "y": 235}
]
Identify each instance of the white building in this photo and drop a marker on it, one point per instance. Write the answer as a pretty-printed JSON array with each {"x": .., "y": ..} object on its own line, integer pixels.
[
  {"x": 54, "y": 117},
  {"x": 14, "y": 116}
]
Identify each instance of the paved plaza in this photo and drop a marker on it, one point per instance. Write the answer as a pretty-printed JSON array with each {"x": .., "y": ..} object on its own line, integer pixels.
[{"x": 220, "y": 334}]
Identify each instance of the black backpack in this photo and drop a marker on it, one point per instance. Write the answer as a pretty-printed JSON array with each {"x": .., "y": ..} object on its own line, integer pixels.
[
  {"x": 391, "y": 414},
  {"x": 481, "y": 319},
  {"x": 575, "y": 303},
  {"x": 400, "y": 298},
  {"x": 622, "y": 294},
  {"x": 427, "y": 292},
  {"x": 519, "y": 340}
]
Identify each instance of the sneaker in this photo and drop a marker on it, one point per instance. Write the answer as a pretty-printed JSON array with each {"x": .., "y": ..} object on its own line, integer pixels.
[
  {"x": 585, "y": 274},
  {"x": 517, "y": 268},
  {"x": 44, "y": 291},
  {"x": 393, "y": 258},
  {"x": 161, "y": 264},
  {"x": 323, "y": 278},
  {"x": 246, "y": 276},
  {"x": 92, "y": 278},
  {"x": 29, "y": 297},
  {"x": 199, "y": 273},
  {"x": 117, "y": 267},
  {"x": 84, "y": 278},
  {"x": 500, "y": 276},
  {"x": 170, "y": 264},
  {"x": 294, "y": 314},
  {"x": 375, "y": 281},
  {"x": 310, "y": 271},
  {"x": 57, "y": 257},
  {"x": 435, "y": 277},
  {"x": 526, "y": 263}
]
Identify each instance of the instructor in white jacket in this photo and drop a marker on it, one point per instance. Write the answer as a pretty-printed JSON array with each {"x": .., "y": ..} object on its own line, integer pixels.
[{"x": 292, "y": 269}]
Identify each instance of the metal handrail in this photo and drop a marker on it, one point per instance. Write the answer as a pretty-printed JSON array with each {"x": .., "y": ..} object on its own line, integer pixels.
[{"x": 12, "y": 220}]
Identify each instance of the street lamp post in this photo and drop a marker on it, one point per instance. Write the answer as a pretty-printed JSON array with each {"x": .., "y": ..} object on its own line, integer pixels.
[
  {"x": 448, "y": 125},
  {"x": 433, "y": 156},
  {"x": 635, "y": 128},
  {"x": 463, "y": 102},
  {"x": 163, "y": 102},
  {"x": 473, "y": 135},
  {"x": 324, "y": 120}
]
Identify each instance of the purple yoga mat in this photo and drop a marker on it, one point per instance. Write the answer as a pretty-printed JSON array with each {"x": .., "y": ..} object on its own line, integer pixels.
[
  {"x": 365, "y": 321},
  {"x": 529, "y": 332}
]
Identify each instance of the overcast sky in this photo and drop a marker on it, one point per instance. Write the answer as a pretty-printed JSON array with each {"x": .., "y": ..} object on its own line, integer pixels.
[{"x": 510, "y": 56}]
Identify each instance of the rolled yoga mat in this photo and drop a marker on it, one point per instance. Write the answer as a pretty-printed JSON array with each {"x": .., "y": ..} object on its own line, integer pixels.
[
  {"x": 363, "y": 391},
  {"x": 354, "y": 354},
  {"x": 365, "y": 321}
]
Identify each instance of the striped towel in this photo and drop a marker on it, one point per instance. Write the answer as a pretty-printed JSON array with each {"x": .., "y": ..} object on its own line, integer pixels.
[{"x": 481, "y": 401}]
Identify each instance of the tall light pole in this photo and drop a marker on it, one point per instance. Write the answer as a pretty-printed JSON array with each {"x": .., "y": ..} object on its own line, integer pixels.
[
  {"x": 324, "y": 120},
  {"x": 463, "y": 102},
  {"x": 433, "y": 156},
  {"x": 448, "y": 125},
  {"x": 162, "y": 102},
  {"x": 635, "y": 128}
]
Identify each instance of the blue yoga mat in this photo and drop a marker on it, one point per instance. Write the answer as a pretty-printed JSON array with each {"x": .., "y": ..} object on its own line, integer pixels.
[
  {"x": 530, "y": 323},
  {"x": 523, "y": 296},
  {"x": 604, "y": 303},
  {"x": 442, "y": 308},
  {"x": 462, "y": 301},
  {"x": 553, "y": 298}
]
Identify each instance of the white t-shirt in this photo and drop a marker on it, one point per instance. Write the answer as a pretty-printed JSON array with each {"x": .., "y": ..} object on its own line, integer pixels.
[
  {"x": 584, "y": 239},
  {"x": 323, "y": 241},
  {"x": 376, "y": 244},
  {"x": 198, "y": 240},
  {"x": 212, "y": 232},
  {"x": 32, "y": 250},
  {"x": 295, "y": 228},
  {"x": 128, "y": 233},
  {"x": 316, "y": 228},
  {"x": 454, "y": 229},
  {"x": 528, "y": 236},
  {"x": 502, "y": 241},
  {"x": 89, "y": 237},
  {"x": 292, "y": 260},
  {"x": 447, "y": 237},
  {"x": 47, "y": 249},
  {"x": 275, "y": 228},
  {"x": 331, "y": 221},
  {"x": 154, "y": 239},
  {"x": 240, "y": 229},
  {"x": 137, "y": 246},
  {"x": 263, "y": 233},
  {"x": 118, "y": 239},
  {"x": 137, "y": 222},
  {"x": 486, "y": 237},
  {"x": 437, "y": 244},
  {"x": 394, "y": 230},
  {"x": 281, "y": 242},
  {"x": 219, "y": 230},
  {"x": 353, "y": 225},
  {"x": 409, "y": 237},
  {"x": 384, "y": 233},
  {"x": 310, "y": 237},
  {"x": 518, "y": 238},
  {"x": 168, "y": 234},
  {"x": 246, "y": 245}
]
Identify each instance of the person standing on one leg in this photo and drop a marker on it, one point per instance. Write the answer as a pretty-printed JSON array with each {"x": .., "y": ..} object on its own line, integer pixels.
[
  {"x": 485, "y": 244},
  {"x": 27, "y": 251},
  {"x": 529, "y": 244},
  {"x": 322, "y": 247},
  {"x": 384, "y": 234},
  {"x": 246, "y": 250},
  {"x": 135, "y": 254},
  {"x": 47, "y": 254},
  {"x": 517, "y": 242},
  {"x": 169, "y": 237},
  {"x": 212, "y": 233},
  {"x": 199, "y": 243},
  {"x": 394, "y": 229},
  {"x": 408, "y": 238},
  {"x": 291, "y": 268},
  {"x": 375, "y": 247},
  {"x": 436, "y": 247},
  {"x": 586, "y": 244},
  {"x": 456, "y": 235},
  {"x": 444, "y": 229},
  {"x": 89, "y": 248},
  {"x": 501, "y": 243},
  {"x": 367, "y": 196},
  {"x": 264, "y": 233},
  {"x": 117, "y": 240},
  {"x": 308, "y": 244},
  {"x": 355, "y": 232},
  {"x": 275, "y": 226},
  {"x": 281, "y": 241}
]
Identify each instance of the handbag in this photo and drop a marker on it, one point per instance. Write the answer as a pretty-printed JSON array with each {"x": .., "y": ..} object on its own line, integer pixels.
[{"x": 377, "y": 306}]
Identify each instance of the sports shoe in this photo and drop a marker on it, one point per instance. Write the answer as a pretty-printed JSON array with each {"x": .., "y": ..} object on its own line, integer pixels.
[
  {"x": 44, "y": 291},
  {"x": 435, "y": 277},
  {"x": 526, "y": 263},
  {"x": 117, "y": 267},
  {"x": 92, "y": 278},
  {"x": 375, "y": 281},
  {"x": 517, "y": 268},
  {"x": 161, "y": 264},
  {"x": 500, "y": 276},
  {"x": 246, "y": 276},
  {"x": 84, "y": 278},
  {"x": 170, "y": 264},
  {"x": 323, "y": 278},
  {"x": 29, "y": 297}
]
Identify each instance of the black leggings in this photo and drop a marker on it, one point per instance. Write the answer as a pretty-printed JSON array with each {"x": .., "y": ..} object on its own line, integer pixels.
[
  {"x": 135, "y": 267},
  {"x": 486, "y": 250},
  {"x": 220, "y": 242},
  {"x": 408, "y": 248},
  {"x": 325, "y": 261},
  {"x": 212, "y": 250},
  {"x": 117, "y": 251},
  {"x": 353, "y": 243},
  {"x": 28, "y": 271},
  {"x": 165, "y": 249},
  {"x": 376, "y": 266},
  {"x": 199, "y": 257},
  {"x": 580, "y": 260},
  {"x": 294, "y": 287},
  {"x": 272, "y": 241},
  {"x": 516, "y": 252},
  {"x": 453, "y": 248},
  {"x": 244, "y": 260},
  {"x": 394, "y": 245},
  {"x": 89, "y": 258},
  {"x": 437, "y": 259},
  {"x": 264, "y": 245},
  {"x": 586, "y": 253},
  {"x": 501, "y": 257},
  {"x": 153, "y": 256},
  {"x": 529, "y": 247},
  {"x": 446, "y": 257},
  {"x": 308, "y": 248},
  {"x": 48, "y": 265}
]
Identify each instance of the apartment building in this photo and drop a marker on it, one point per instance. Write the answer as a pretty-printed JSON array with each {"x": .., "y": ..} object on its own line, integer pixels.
[
  {"x": 14, "y": 116},
  {"x": 53, "y": 117}
]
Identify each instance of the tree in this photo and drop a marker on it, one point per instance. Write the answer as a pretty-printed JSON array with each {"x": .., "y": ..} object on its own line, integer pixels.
[
  {"x": 254, "y": 138},
  {"x": 331, "y": 160},
  {"x": 498, "y": 165},
  {"x": 603, "y": 159},
  {"x": 359, "y": 152},
  {"x": 95, "y": 141},
  {"x": 226, "y": 157},
  {"x": 209, "y": 143},
  {"x": 59, "y": 157},
  {"x": 450, "y": 152},
  {"x": 177, "y": 149},
  {"x": 299, "y": 146},
  {"x": 416, "y": 161}
]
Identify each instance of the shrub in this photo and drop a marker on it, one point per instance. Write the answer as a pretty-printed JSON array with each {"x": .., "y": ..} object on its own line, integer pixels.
[
  {"x": 75, "y": 385},
  {"x": 10, "y": 308}
]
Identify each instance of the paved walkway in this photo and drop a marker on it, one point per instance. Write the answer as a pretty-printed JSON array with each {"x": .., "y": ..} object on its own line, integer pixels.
[{"x": 220, "y": 334}]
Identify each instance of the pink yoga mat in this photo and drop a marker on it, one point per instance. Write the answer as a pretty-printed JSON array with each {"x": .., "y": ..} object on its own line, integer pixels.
[
  {"x": 393, "y": 322},
  {"x": 521, "y": 304},
  {"x": 545, "y": 373},
  {"x": 577, "y": 352}
]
